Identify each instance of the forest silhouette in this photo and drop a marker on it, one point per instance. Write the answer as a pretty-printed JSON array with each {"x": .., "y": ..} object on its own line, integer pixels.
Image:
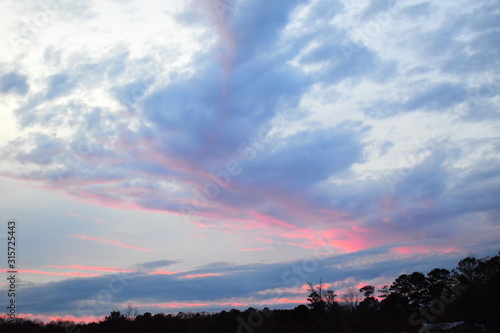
[{"x": 468, "y": 293}]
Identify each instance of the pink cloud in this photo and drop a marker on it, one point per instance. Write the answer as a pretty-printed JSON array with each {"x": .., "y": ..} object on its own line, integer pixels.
[
  {"x": 197, "y": 235},
  {"x": 232, "y": 304},
  {"x": 269, "y": 220},
  {"x": 256, "y": 249},
  {"x": 174, "y": 305},
  {"x": 277, "y": 301},
  {"x": 219, "y": 12},
  {"x": 193, "y": 276},
  {"x": 33, "y": 271},
  {"x": 289, "y": 290},
  {"x": 81, "y": 193},
  {"x": 349, "y": 239},
  {"x": 67, "y": 318},
  {"x": 267, "y": 240},
  {"x": 106, "y": 241},
  {"x": 95, "y": 268},
  {"x": 162, "y": 272},
  {"x": 419, "y": 249},
  {"x": 299, "y": 234}
]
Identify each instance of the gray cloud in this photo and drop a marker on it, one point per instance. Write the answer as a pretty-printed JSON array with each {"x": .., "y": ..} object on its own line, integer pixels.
[{"x": 236, "y": 281}]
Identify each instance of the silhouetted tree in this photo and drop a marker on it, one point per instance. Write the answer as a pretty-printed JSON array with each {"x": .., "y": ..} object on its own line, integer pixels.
[
  {"x": 439, "y": 279},
  {"x": 316, "y": 297},
  {"x": 130, "y": 312},
  {"x": 366, "y": 316},
  {"x": 350, "y": 299},
  {"x": 413, "y": 288},
  {"x": 369, "y": 301}
]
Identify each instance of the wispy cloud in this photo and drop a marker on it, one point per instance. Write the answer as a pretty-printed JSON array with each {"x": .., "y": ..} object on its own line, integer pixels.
[
  {"x": 94, "y": 268},
  {"x": 112, "y": 242},
  {"x": 163, "y": 272},
  {"x": 256, "y": 249},
  {"x": 194, "y": 276},
  {"x": 34, "y": 271},
  {"x": 157, "y": 264}
]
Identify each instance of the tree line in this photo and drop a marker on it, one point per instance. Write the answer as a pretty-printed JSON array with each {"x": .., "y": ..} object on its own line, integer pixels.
[{"x": 470, "y": 292}]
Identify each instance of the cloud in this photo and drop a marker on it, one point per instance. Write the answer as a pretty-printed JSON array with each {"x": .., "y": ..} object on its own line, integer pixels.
[
  {"x": 255, "y": 249},
  {"x": 171, "y": 291},
  {"x": 14, "y": 83},
  {"x": 447, "y": 50},
  {"x": 58, "y": 85},
  {"x": 418, "y": 11},
  {"x": 93, "y": 268},
  {"x": 257, "y": 25},
  {"x": 157, "y": 264},
  {"x": 437, "y": 98},
  {"x": 163, "y": 272},
  {"x": 43, "y": 153},
  {"x": 194, "y": 276},
  {"x": 276, "y": 125},
  {"x": 305, "y": 158},
  {"x": 35, "y": 271},
  {"x": 112, "y": 242},
  {"x": 377, "y": 6}
]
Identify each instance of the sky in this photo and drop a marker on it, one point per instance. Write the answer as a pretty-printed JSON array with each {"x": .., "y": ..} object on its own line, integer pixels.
[{"x": 202, "y": 155}]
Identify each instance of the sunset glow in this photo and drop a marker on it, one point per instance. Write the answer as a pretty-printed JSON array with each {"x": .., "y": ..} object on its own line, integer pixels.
[{"x": 203, "y": 155}]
